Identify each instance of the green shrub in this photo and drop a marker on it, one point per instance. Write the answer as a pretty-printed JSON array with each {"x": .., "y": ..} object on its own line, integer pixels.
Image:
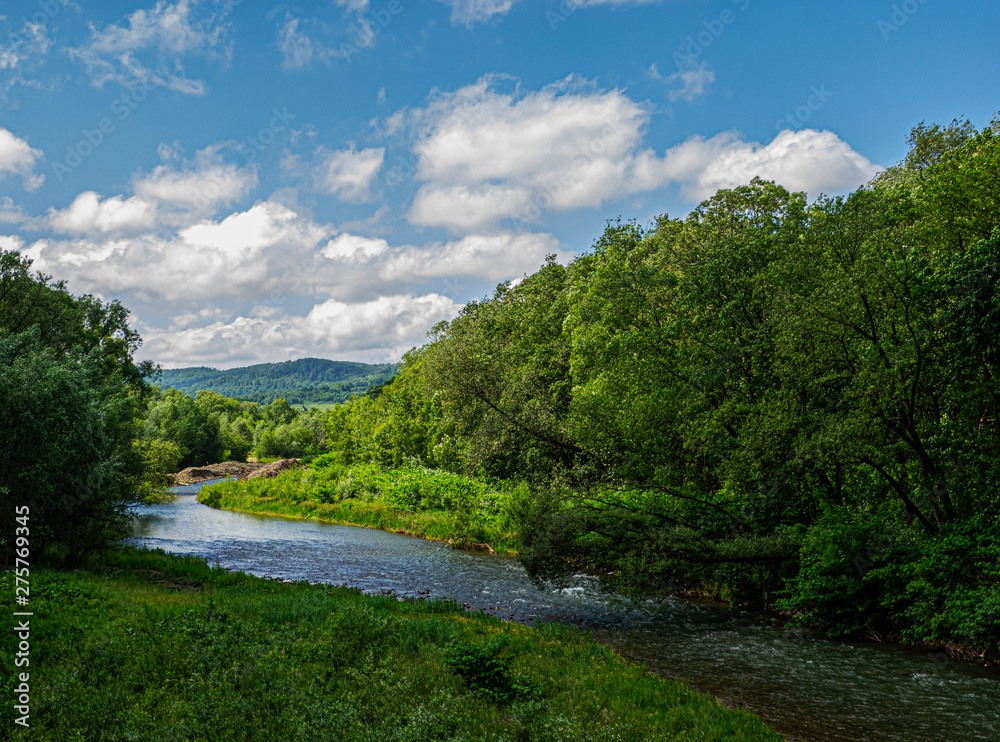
[{"x": 484, "y": 669}]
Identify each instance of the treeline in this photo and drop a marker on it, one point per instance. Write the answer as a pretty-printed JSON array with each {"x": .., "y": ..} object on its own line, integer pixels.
[
  {"x": 787, "y": 404},
  {"x": 305, "y": 381}
]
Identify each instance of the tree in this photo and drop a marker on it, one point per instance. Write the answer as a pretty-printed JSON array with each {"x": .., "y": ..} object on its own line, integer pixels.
[
  {"x": 70, "y": 395},
  {"x": 173, "y": 416}
]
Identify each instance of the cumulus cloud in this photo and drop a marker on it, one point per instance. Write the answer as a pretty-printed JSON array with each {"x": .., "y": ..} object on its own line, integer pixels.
[
  {"x": 484, "y": 156},
  {"x": 352, "y": 247},
  {"x": 379, "y": 329},
  {"x": 10, "y": 242},
  {"x": 197, "y": 188},
  {"x": 11, "y": 213},
  {"x": 806, "y": 160},
  {"x": 88, "y": 214},
  {"x": 268, "y": 282},
  {"x": 248, "y": 254},
  {"x": 463, "y": 208},
  {"x": 17, "y": 157},
  {"x": 168, "y": 32},
  {"x": 348, "y": 174},
  {"x": 496, "y": 155}
]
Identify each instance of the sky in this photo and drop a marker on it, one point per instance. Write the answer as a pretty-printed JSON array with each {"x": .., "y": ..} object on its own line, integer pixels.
[{"x": 260, "y": 181}]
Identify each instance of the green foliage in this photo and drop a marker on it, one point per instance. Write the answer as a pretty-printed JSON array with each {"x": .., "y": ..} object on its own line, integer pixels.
[
  {"x": 177, "y": 418},
  {"x": 161, "y": 459}
]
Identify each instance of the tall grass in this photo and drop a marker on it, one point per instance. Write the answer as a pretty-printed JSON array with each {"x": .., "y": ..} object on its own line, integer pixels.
[
  {"x": 149, "y": 646},
  {"x": 411, "y": 499}
]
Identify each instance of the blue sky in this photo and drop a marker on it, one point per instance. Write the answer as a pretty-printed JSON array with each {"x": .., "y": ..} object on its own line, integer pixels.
[{"x": 260, "y": 181}]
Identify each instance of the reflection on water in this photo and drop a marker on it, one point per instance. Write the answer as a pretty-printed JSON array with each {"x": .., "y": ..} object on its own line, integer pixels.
[{"x": 807, "y": 687}]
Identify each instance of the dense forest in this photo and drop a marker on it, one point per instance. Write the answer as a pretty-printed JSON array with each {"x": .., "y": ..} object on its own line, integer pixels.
[
  {"x": 785, "y": 404},
  {"x": 304, "y": 382}
]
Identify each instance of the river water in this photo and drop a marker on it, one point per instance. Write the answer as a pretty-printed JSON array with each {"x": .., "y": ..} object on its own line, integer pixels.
[{"x": 807, "y": 687}]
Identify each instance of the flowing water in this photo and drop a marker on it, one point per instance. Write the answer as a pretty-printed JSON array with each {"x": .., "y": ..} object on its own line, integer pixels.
[{"x": 807, "y": 687}]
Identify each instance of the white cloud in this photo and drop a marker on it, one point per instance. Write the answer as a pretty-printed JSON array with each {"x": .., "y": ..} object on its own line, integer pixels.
[
  {"x": 470, "y": 12},
  {"x": 17, "y": 157},
  {"x": 168, "y": 31},
  {"x": 463, "y": 208},
  {"x": 354, "y": 6},
  {"x": 297, "y": 48},
  {"x": 11, "y": 213},
  {"x": 10, "y": 242},
  {"x": 349, "y": 174},
  {"x": 494, "y": 155},
  {"x": 486, "y": 156},
  {"x": 354, "y": 248},
  {"x": 806, "y": 160},
  {"x": 268, "y": 282},
  {"x": 199, "y": 188},
  {"x": 299, "y": 39},
  {"x": 88, "y": 214}
]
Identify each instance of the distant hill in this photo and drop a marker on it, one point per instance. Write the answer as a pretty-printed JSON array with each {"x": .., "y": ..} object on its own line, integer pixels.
[{"x": 305, "y": 381}]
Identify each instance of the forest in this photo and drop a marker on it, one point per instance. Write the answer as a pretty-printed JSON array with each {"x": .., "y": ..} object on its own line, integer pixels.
[{"x": 788, "y": 404}]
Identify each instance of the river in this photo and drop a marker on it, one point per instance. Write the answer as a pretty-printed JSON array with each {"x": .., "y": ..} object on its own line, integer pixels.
[{"x": 807, "y": 687}]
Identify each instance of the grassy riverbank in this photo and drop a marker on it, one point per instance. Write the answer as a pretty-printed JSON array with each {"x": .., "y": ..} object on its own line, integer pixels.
[
  {"x": 145, "y": 645},
  {"x": 412, "y": 499}
]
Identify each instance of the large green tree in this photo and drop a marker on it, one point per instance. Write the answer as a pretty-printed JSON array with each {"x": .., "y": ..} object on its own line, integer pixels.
[{"x": 70, "y": 394}]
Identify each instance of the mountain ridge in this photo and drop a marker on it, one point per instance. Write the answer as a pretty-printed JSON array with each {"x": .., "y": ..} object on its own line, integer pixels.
[{"x": 300, "y": 381}]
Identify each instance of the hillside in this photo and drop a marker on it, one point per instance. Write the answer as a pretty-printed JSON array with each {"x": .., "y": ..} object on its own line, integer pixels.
[{"x": 305, "y": 381}]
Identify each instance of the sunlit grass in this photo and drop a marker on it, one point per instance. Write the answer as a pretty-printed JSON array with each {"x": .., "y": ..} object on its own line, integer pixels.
[{"x": 412, "y": 500}]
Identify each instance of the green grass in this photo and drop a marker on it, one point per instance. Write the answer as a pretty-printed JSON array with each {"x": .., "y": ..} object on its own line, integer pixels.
[
  {"x": 150, "y": 646},
  {"x": 412, "y": 499}
]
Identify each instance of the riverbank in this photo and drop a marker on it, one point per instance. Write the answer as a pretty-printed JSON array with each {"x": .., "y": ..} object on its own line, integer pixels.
[
  {"x": 465, "y": 513},
  {"x": 414, "y": 501},
  {"x": 146, "y": 645}
]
